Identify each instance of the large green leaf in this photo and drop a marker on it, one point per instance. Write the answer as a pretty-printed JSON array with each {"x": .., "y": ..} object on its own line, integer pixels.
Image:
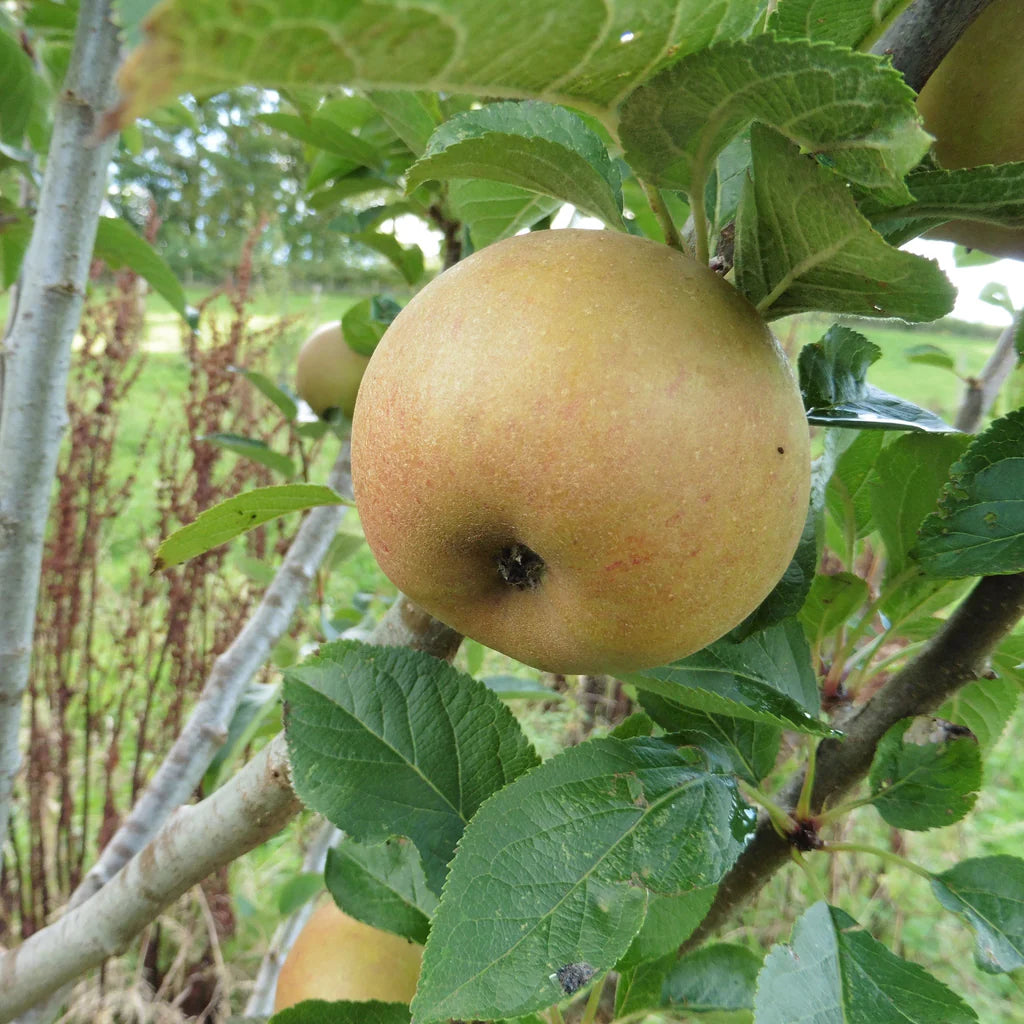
[
  {"x": 765, "y": 678},
  {"x": 834, "y": 972},
  {"x": 922, "y": 777},
  {"x": 556, "y": 871},
  {"x": 721, "y": 977},
  {"x": 802, "y": 244},
  {"x": 979, "y": 526},
  {"x": 533, "y": 145},
  {"x": 17, "y": 89},
  {"x": 846, "y": 22},
  {"x": 492, "y": 210},
  {"x": 989, "y": 893},
  {"x": 586, "y": 53},
  {"x": 851, "y": 109},
  {"x": 389, "y": 741}
]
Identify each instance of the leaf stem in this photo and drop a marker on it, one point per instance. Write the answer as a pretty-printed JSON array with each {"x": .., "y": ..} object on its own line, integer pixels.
[
  {"x": 556, "y": 1015},
  {"x": 886, "y": 855},
  {"x": 812, "y": 881},
  {"x": 783, "y": 822},
  {"x": 840, "y": 810},
  {"x": 700, "y": 224},
  {"x": 665, "y": 221},
  {"x": 593, "y": 1001},
  {"x": 803, "y": 803}
]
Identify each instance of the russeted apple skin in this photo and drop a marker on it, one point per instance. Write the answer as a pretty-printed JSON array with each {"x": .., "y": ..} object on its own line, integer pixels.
[
  {"x": 604, "y": 402},
  {"x": 338, "y": 957},
  {"x": 328, "y": 370},
  {"x": 974, "y": 106}
]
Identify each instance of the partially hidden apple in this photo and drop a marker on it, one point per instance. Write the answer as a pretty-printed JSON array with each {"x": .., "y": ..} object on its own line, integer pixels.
[
  {"x": 337, "y": 957},
  {"x": 974, "y": 106},
  {"x": 582, "y": 449},
  {"x": 328, "y": 371}
]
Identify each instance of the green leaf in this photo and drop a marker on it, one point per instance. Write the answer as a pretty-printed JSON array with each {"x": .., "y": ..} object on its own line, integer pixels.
[
  {"x": 412, "y": 116},
  {"x": 832, "y": 602},
  {"x": 748, "y": 749},
  {"x": 319, "y": 1011},
  {"x": 256, "y": 705},
  {"x": 18, "y": 87},
  {"x": 587, "y": 55},
  {"x": 930, "y": 355},
  {"x": 298, "y": 891},
  {"x": 382, "y": 885},
  {"x": 908, "y": 477},
  {"x": 532, "y": 145},
  {"x": 802, "y": 244},
  {"x": 119, "y": 245},
  {"x": 1008, "y": 659},
  {"x": 15, "y": 232},
  {"x": 324, "y": 134},
  {"x": 925, "y": 774},
  {"x": 231, "y": 518},
  {"x": 993, "y": 194},
  {"x": 765, "y": 678},
  {"x": 839, "y": 972},
  {"x": 639, "y": 988},
  {"x": 721, "y": 977},
  {"x": 493, "y": 210},
  {"x": 850, "y": 109},
  {"x": 520, "y": 687},
  {"x": 670, "y": 921},
  {"x": 258, "y": 451},
  {"x": 848, "y": 23},
  {"x": 266, "y": 387},
  {"x": 364, "y": 324},
  {"x": 389, "y": 741},
  {"x": 984, "y": 706},
  {"x": 557, "y": 869},
  {"x": 978, "y": 529},
  {"x": 989, "y": 893},
  {"x": 848, "y": 495}
]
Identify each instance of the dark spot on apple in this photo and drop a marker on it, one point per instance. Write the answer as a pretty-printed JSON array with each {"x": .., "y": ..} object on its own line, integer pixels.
[
  {"x": 781, "y": 450},
  {"x": 520, "y": 567}
]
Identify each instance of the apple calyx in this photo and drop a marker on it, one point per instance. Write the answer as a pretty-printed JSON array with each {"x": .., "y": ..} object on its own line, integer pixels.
[{"x": 521, "y": 567}]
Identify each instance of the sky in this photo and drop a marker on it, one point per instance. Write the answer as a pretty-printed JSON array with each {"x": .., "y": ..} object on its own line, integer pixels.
[{"x": 969, "y": 281}]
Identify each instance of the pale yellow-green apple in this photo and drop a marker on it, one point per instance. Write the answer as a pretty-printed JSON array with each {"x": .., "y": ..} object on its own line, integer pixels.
[
  {"x": 974, "y": 106},
  {"x": 337, "y": 957},
  {"x": 328, "y": 370},
  {"x": 582, "y": 449}
]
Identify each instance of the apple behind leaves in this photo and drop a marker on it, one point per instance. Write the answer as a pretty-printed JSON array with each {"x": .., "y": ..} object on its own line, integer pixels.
[
  {"x": 974, "y": 106},
  {"x": 328, "y": 371},
  {"x": 338, "y": 957},
  {"x": 582, "y": 449}
]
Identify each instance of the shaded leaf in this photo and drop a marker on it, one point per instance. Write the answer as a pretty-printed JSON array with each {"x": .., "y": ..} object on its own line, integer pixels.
[
  {"x": 978, "y": 529},
  {"x": 765, "y": 678},
  {"x": 984, "y": 706},
  {"x": 493, "y": 210},
  {"x": 832, "y": 603},
  {"x": 989, "y": 893},
  {"x": 834, "y": 972},
  {"x": 670, "y": 921},
  {"x": 389, "y": 741},
  {"x": 802, "y": 244},
  {"x": 267, "y": 388},
  {"x": 719, "y": 977},
  {"x": 319, "y": 1011},
  {"x": 922, "y": 777},
  {"x": 848, "y": 23},
  {"x": 382, "y": 885},
  {"x": 252, "y": 449},
  {"x": 848, "y": 108}
]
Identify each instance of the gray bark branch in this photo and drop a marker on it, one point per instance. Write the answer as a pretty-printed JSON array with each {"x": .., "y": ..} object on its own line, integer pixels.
[{"x": 36, "y": 356}]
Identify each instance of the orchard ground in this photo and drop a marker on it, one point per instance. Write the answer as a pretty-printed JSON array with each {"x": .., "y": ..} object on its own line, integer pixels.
[{"x": 266, "y": 884}]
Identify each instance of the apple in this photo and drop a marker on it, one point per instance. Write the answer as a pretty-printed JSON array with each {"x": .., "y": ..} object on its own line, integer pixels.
[
  {"x": 582, "y": 449},
  {"x": 328, "y": 370},
  {"x": 974, "y": 106},
  {"x": 337, "y": 957}
]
